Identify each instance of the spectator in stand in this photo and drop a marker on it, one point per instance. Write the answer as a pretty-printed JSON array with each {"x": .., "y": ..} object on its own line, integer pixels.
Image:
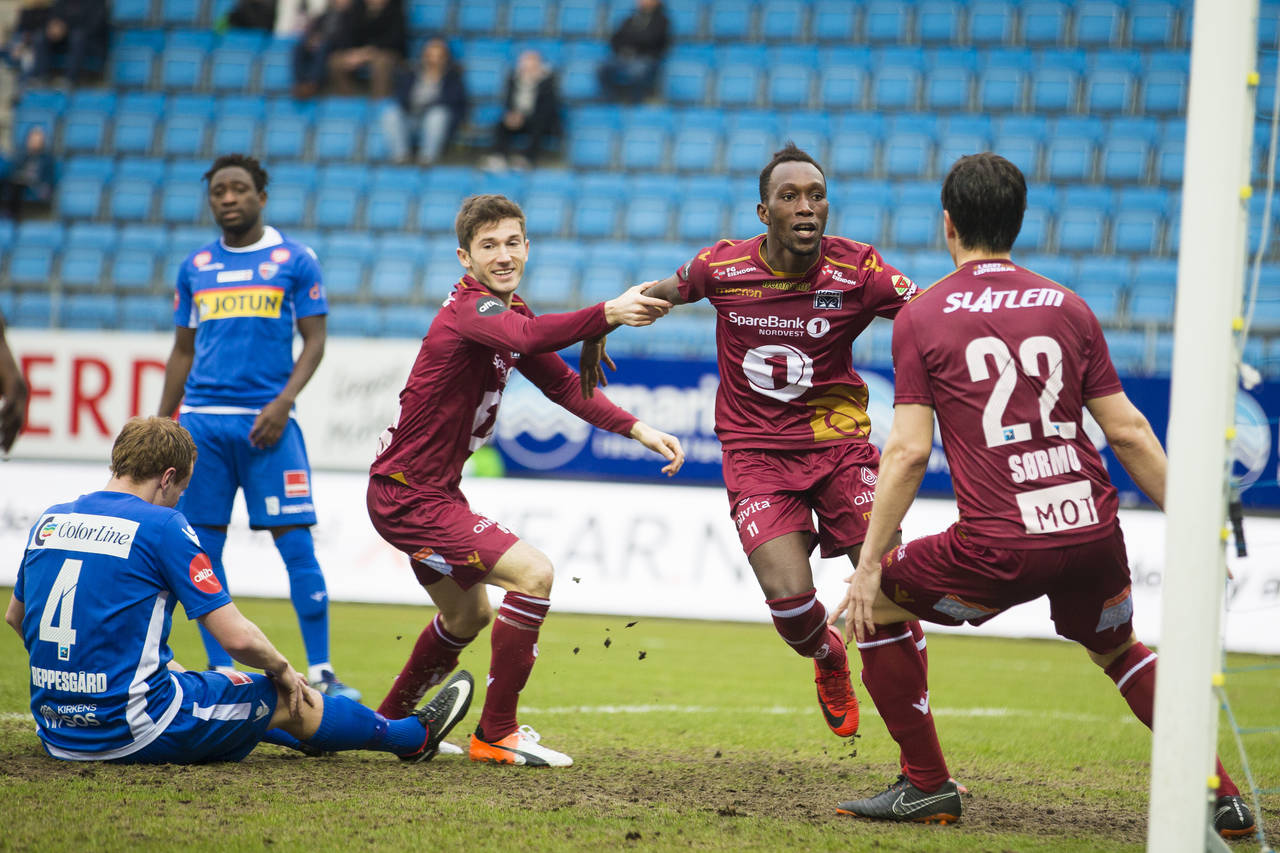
[
  {"x": 252, "y": 15},
  {"x": 638, "y": 45},
  {"x": 76, "y": 28},
  {"x": 531, "y": 110},
  {"x": 320, "y": 35},
  {"x": 430, "y": 103},
  {"x": 372, "y": 39},
  {"x": 31, "y": 176},
  {"x": 19, "y": 47}
]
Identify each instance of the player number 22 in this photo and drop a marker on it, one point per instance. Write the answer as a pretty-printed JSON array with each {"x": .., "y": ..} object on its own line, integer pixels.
[
  {"x": 988, "y": 351},
  {"x": 61, "y": 601}
]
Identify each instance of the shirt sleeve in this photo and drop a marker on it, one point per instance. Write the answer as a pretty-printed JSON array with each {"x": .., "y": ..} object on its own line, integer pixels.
[
  {"x": 184, "y": 313},
  {"x": 187, "y": 570},
  {"x": 308, "y": 285},
  {"x": 1100, "y": 378},
  {"x": 559, "y": 382},
  {"x": 887, "y": 289},
  {"x": 692, "y": 278},
  {"x": 910, "y": 379},
  {"x": 485, "y": 320}
]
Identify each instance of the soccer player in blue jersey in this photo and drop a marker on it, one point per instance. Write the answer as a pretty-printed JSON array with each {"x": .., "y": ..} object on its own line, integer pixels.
[
  {"x": 94, "y": 602},
  {"x": 239, "y": 300}
]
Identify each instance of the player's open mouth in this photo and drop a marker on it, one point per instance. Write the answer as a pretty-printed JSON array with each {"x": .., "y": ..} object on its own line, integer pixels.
[{"x": 806, "y": 228}]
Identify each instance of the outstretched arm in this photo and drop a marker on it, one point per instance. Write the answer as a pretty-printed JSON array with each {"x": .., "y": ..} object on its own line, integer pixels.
[
  {"x": 1133, "y": 442},
  {"x": 593, "y": 358}
]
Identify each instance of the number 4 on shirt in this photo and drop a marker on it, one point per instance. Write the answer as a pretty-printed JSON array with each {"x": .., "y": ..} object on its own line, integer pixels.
[{"x": 62, "y": 601}]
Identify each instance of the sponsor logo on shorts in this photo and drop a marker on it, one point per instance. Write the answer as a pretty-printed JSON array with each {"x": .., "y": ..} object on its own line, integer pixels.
[
  {"x": 267, "y": 270},
  {"x": 91, "y": 534},
  {"x": 1116, "y": 611},
  {"x": 962, "y": 610},
  {"x": 272, "y": 505},
  {"x": 489, "y": 305},
  {"x": 296, "y": 484},
  {"x": 868, "y": 476},
  {"x": 485, "y": 523},
  {"x": 827, "y": 300},
  {"x": 202, "y": 575},
  {"x": 900, "y": 595},
  {"x": 473, "y": 559},
  {"x": 746, "y": 510},
  {"x": 281, "y": 255},
  {"x": 236, "y": 677},
  {"x": 429, "y": 558}
]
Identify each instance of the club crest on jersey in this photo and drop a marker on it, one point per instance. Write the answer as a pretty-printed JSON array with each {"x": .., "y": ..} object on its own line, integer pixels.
[
  {"x": 296, "y": 484},
  {"x": 827, "y": 300},
  {"x": 489, "y": 305},
  {"x": 903, "y": 286},
  {"x": 281, "y": 255},
  {"x": 202, "y": 259},
  {"x": 268, "y": 270}
]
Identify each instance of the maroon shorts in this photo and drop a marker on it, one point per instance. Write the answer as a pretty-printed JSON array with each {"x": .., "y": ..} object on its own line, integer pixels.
[
  {"x": 947, "y": 579},
  {"x": 774, "y": 492},
  {"x": 438, "y": 530}
]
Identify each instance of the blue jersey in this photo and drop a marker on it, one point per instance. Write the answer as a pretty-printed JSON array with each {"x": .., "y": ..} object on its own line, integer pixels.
[
  {"x": 99, "y": 581},
  {"x": 243, "y": 304}
]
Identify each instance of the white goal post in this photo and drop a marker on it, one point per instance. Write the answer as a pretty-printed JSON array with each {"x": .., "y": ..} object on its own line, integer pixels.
[{"x": 1211, "y": 267}]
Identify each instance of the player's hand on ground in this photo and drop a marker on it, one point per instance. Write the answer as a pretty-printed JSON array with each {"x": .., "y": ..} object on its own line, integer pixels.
[
  {"x": 668, "y": 446},
  {"x": 633, "y": 308},
  {"x": 591, "y": 364},
  {"x": 269, "y": 425}
]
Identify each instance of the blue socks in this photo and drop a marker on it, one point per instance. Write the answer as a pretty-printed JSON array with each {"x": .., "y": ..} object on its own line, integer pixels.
[
  {"x": 213, "y": 540},
  {"x": 350, "y": 725},
  {"x": 307, "y": 590}
]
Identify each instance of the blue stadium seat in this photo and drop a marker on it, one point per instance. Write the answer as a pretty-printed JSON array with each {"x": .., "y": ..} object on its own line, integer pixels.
[
  {"x": 146, "y": 314},
  {"x": 1151, "y": 303},
  {"x": 1125, "y": 157},
  {"x": 695, "y": 149},
  {"x": 856, "y": 152},
  {"x": 289, "y": 203},
  {"x": 526, "y": 18},
  {"x": 31, "y": 265},
  {"x": 182, "y": 68},
  {"x": 685, "y": 82},
  {"x": 80, "y": 196},
  {"x": 82, "y": 268},
  {"x": 336, "y": 205},
  {"x": 1102, "y": 297},
  {"x": 842, "y": 87},
  {"x": 485, "y": 77},
  {"x": 344, "y": 262},
  {"x": 437, "y": 209},
  {"x": 1054, "y": 89},
  {"x": 181, "y": 13},
  {"x": 552, "y": 273},
  {"x": 991, "y": 23},
  {"x": 701, "y": 219},
  {"x": 748, "y": 149},
  {"x": 789, "y": 86},
  {"x": 784, "y": 20},
  {"x": 131, "y": 13},
  {"x": 908, "y": 155},
  {"x": 895, "y": 87},
  {"x": 836, "y": 20},
  {"x": 134, "y": 269},
  {"x": 1108, "y": 90},
  {"x": 131, "y": 198},
  {"x": 275, "y": 71},
  {"x": 355, "y": 320},
  {"x": 644, "y": 147},
  {"x": 1069, "y": 158},
  {"x": 592, "y": 147},
  {"x": 429, "y": 16},
  {"x": 647, "y": 218},
  {"x": 952, "y": 146},
  {"x": 1137, "y": 231},
  {"x": 92, "y": 235},
  {"x": 389, "y": 207},
  {"x": 334, "y": 139},
  {"x": 730, "y": 21},
  {"x": 183, "y": 135},
  {"x": 581, "y": 19},
  {"x": 480, "y": 17},
  {"x": 1098, "y": 23},
  {"x": 84, "y": 129},
  {"x": 1034, "y": 235},
  {"x": 285, "y": 136},
  {"x": 406, "y": 321},
  {"x": 595, "y": 217},
  {"x": 132, "y": 65},
  {"x": 886, "y": 22},
  {"x": 1081, "y": 230},
  {"x": 947, "y": 88},
  {"x": 546, "y": 211},
  {"x": 1156, "y": 272},
  {"x": 737, "y": 85},
  {"x": 940, "y": 21},
  {"x": 396, "y": 264},
  {"x": 134, "y": 132},
  {"x": 32, "y": 310},
  {"x": 235, "y": 133},
  {"x": 578, "y": 80},
  {"x": 183, "y": 203},
  {"x": 863, "y": 222},
  {"x": 1001, "y": 89},
  {"x": 915, "y": 226},
  {"x": 1130, "y": 350},
  {"x": 90, "y": 311},
  {"x": 1044, "y": 22},
  {"x": 231, "y": 69},
  {"x": 1153, "y": 24},
  {"x": 1164, "y": 91}
]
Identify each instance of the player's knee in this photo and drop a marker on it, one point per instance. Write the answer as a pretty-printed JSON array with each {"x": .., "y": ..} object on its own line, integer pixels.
[
  {"x": 1105, "y": 659},
  {"x": 468, "y": 620},
  {"x": 536, "y": 577}
]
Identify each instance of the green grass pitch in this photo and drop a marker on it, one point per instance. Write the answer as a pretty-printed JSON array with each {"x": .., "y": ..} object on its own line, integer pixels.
[{"x": 686, "y": 735}]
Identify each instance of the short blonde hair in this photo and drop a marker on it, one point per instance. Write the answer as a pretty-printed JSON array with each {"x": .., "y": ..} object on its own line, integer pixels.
[{"x": 147, "y": 447}]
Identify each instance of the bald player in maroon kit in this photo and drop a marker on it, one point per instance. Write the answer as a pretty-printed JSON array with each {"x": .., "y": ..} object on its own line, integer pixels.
[
  {"x": 1008, "y": 361},
  {"x": 791, "y": 412},
  {"x": 447, "y": 410}
]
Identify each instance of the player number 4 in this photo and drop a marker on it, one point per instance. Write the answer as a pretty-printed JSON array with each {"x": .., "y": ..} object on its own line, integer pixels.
[
  {"x": 981, "y": 353},
  {"x": 61, "y": 601}
]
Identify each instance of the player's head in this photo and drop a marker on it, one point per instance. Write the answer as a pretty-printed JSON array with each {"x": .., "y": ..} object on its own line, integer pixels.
[
  {"x": 491, "y": 241},
  {"x": 155, "y": 448},
  {"x": 983, "y": 199},
  {"x": 237, "y": 193},
  {"x": 793, "y": 201}
]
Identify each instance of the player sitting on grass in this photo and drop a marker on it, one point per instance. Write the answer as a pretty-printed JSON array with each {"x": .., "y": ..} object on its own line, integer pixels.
[
  {"x": 94, "y": 601},
  {"x": 447, "y": 410},
  {"x": 1008, "y": 380}
]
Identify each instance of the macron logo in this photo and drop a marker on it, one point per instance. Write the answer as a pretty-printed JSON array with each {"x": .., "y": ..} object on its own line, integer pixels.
[{"x": 923, "y": 705}]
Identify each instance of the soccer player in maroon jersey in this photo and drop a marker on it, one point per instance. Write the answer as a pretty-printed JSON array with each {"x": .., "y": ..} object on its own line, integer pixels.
[
  {"x": 447, "y": 410},
  {"x": 791, "y": 412},
  {"x": 1008, "y": 361}
]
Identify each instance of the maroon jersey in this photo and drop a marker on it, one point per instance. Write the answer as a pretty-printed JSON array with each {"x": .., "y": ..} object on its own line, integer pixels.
[
  {"x": 1007, "y": 360},
  {"x": 784, "y": 340},
  {"x": 449, "y": 406}
]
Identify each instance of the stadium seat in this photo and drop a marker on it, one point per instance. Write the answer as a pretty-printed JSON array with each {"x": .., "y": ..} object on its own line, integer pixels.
[
  {"x": 184, "y": 203},
  {"x": 31, "y": 265},
  {"x": 939, "y": 21},
  {"x": 235, "y": 133},
  {"x": 334, "y": 138},
  {"x": 1164, "y": 91},
  {"x": 789, "y": 87},
  {"x": 684, "y": 82},
  {"x": 647, "y": 218},
  {"x": 552, "y": 274},
  {"x": 947, "y": 88},
  {"x": 1137, "y": 231},
  {"x": 1054, "y": 90},
  {"x": 1069, "y": 158},
  {"x": 134, "y": 269},
  {"x": 842, "y": 87},
  {"x": 1125, "y": 159},
  {"x": 1034, "y": 235},
  {"x": 480, "y": 17},
  {"x": 526, "y": 18},
  {"x": 581, "y": 19},
  {"x": 336, "y": 205},
  {"x": 1108, "y": 90},
  {"x": 132, "y": 65},
  {"x": 1044, "y": 22},
  {"x": 886, "y": 22},
  {"x": 737, "y": 85},
  {"x": 183, "y": 135},
  {"x": 1001, "y": 89},
  {"x": 182, "y": 68},
  {"x": 32, "y": 310},
  {"x": 895, "y": 87},
  {"x": 595, "y": 217},
  {"x": 914, "y": 226},
  {"x": 82, "y": 268},
  {"x": 131, "y": 13},
  {"x": 231, "y": 70},
  {"x": 284, "y": 136},
  {"x": 991, "y": 23},
  {"x": 354, "y": 319},
  {"x": 429, "y": 16},
  {"x": 701, "y": 219},
  {"x": 836, "y": 20},
  {"x": 1153, "y": 24},
  {"x": 85, "y": 128},
  {"x": 1080, "y": 230},
  {"x": 730, "y": 21},
  {"x": 131, "y": 199},
  {"x": 344, "y": 262},
  {"x": 485, "y": 77},
  {"x": 133, "y": 132},
  {"x": 856, "y": 153},
  {"x": 406, "y": 321},
  {"x": 643, "y": 147},
  {"x": 275, "y": 68},
  {"x": 389, "y": 207},
  {"x": 908, "y": 155},
  {"x": 695, "y": 149},
  {"x": 1098, "y": 23},
  {"x": 80, "y": 196},
  {"x": 861, "y": 222},
  {"x": 747, "y": 149},
  {"x": 90, "y": 311},
  {"x": 784, "y": 20},
  {"x": 1150, "y": 303}
]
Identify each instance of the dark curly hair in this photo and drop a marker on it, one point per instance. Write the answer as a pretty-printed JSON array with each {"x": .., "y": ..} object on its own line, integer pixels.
[{"x": 242, "y": 161}]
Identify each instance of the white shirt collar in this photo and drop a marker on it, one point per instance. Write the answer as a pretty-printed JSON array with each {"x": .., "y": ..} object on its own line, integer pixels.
[{"x": 270, "y": 237}]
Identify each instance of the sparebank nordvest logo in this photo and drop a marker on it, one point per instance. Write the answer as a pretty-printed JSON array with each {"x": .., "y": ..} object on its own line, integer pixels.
[
  {"x": 537, "y": 433},
  {"x": 85, "y": 533}
]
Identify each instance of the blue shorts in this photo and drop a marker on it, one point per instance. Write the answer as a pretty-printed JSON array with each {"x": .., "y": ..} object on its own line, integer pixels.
[
  {"x": 276, "y": 480},
  {"x": 222, "y": 718}
]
